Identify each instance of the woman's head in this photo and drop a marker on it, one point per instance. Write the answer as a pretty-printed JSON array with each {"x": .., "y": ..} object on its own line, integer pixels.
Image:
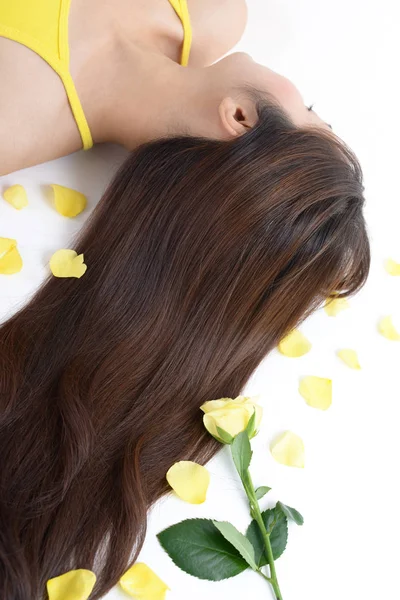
[
  {"x": 201, "y": 256},
  {"x": 271, "y": 222},
  {"x": 215, "y": 101}
]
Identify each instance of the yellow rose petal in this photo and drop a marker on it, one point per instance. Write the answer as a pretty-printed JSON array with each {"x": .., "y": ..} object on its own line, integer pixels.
[
  {"x": 10, "y": 258},
  {"x": 214, "y": 404},
  {"x": 16, "y": 196},
  {"x": 66, "y": 263},
  {"x": 295, "y": 344},
  {"x": 142, "y": 583},
  {"x": 335, "y": 306},
  {"x": 189, "y": 481},
  {"x": 6, "y": 244},
  {"x": 316, "y": 391},
  {"x": 68, "y": 202},
  {"x": 387, "y": 329},
  {"x": 288, "y": 449},
  {"x": 392, "y": 267},
  {"x": 73, "y": 585},
  {"x": 233, "y": 422},
  {"x": 349, "y": 357}
]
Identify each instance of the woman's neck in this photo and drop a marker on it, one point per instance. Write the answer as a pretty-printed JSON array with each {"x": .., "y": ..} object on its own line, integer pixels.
[
  {"x": 137, "y": 94},
  {"x": 128, "y": 75}
]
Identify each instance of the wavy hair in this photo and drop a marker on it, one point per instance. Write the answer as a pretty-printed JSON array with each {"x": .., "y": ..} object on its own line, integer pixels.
[{"x": 202, "y": 254}]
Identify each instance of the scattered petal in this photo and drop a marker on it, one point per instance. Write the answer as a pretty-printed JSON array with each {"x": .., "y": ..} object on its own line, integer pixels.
[
  {"x": 335, "y": 306},
  {"x": 73, "y": 585},
  {"x": 10, "y": 258},
  {"x": 288, "y": 449},
  {"x": 16, "y": 196},
  {"x": 349, "y": 357},
  {"x": 142, "y": 583},
  {"x": 189, "y": 481},
  {"x": 68, "y": 202},
  {"x": 231, "y": 414},
  {"x": 66, "y": 263},
  {"x": 295, "y": 344},
  {"x": 387, "y": 329},
  {"x": 392, "y": 267},
  {"x": 316, "y": 391}
]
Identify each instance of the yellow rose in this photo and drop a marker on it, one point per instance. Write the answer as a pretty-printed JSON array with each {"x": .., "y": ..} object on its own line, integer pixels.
[{"x": 231, "y": 415}]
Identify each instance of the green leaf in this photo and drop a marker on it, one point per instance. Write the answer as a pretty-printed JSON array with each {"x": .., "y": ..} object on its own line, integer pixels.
[
  {"x": 251, "y": 425},
  {"x": 261, "y": 491},
  {"x": 241, "y": 453},
  {"x": 273, "y": 518},
  {"x": 291, "y": 513},
  {"x": 198, "y": 548},
  {"x": 237, "y": 539},
  {"x": 226, "y": 437}
]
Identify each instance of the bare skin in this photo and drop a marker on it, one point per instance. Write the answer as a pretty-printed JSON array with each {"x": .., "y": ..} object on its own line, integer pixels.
[{"x": 124, "y": 59}]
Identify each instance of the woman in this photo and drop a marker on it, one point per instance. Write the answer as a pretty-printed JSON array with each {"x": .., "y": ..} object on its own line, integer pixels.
[
  {"x": 114, "y": 73},
  {"x": 207, "y": 249}
]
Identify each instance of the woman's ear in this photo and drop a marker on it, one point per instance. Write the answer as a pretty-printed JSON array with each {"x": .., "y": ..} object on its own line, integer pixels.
[{"x": 235, "y": 117}]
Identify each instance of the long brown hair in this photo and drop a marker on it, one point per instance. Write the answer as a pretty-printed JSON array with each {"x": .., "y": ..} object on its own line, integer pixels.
[{"x": 201, "y": 256}]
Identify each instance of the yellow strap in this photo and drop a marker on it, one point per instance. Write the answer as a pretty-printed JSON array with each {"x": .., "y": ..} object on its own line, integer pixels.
[
  {"x": 68, "y": 82},
  {"x": 181, "y": 9},
  {"x": 77, "y": 110}
]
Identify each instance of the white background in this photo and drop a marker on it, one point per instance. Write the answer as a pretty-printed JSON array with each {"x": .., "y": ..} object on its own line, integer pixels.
[{"x": 342, "y": 56}]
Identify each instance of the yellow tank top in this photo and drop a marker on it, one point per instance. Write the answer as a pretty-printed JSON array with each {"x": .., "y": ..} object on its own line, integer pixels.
[{"x": 42, "y": 26}]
